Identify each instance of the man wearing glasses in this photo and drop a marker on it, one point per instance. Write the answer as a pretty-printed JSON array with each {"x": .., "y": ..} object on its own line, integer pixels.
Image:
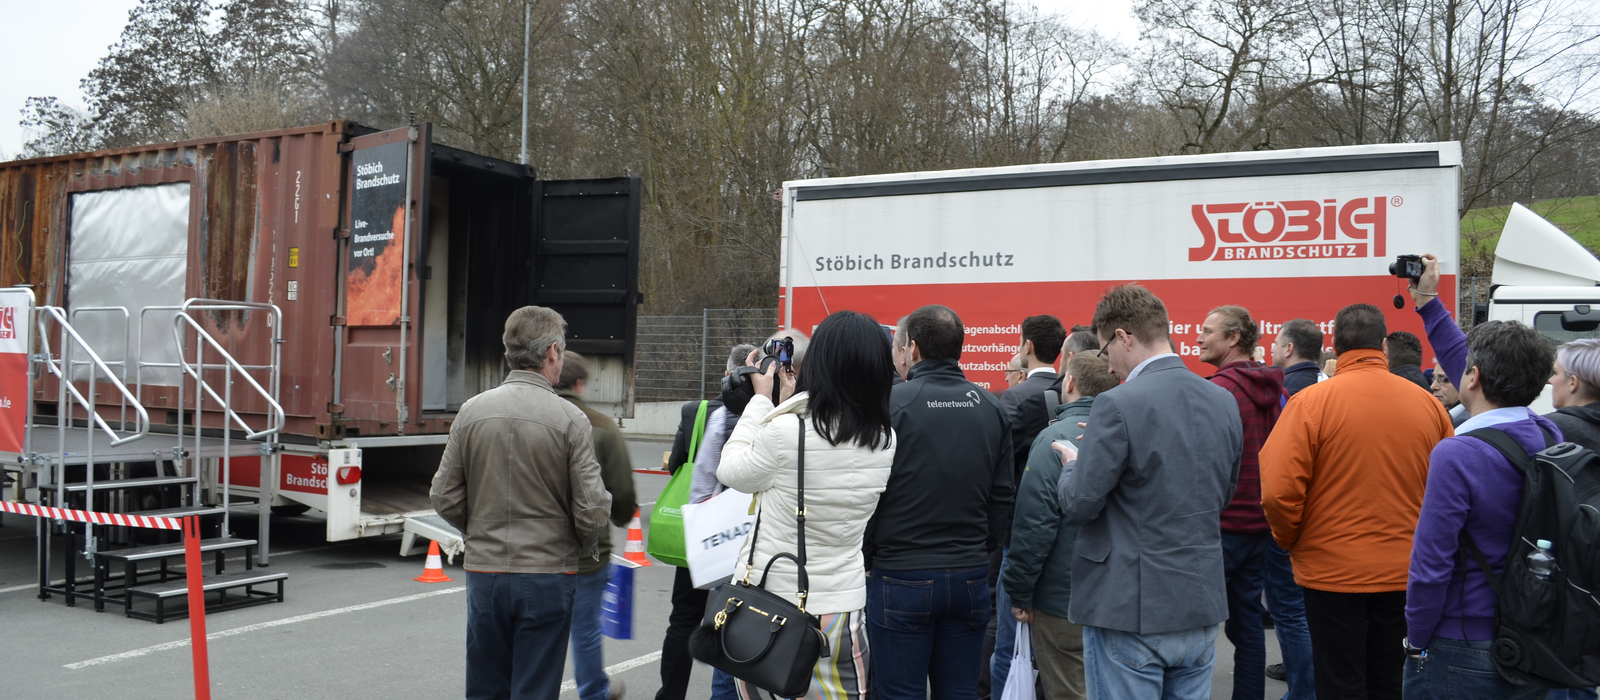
[
  {"x": 1014, "y": 372},
  {"x": 1158, "y": 463}
]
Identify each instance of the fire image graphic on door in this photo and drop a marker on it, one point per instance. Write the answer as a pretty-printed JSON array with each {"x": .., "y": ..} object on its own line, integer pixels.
[{"x": 377, "y": 230}]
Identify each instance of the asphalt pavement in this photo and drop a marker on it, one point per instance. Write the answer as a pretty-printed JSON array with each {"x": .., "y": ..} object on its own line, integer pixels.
[{"x": 354, "y": 625}]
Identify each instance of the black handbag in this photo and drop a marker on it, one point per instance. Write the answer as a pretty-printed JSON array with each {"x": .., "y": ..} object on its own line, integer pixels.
[{"x": 756, "y": 636}]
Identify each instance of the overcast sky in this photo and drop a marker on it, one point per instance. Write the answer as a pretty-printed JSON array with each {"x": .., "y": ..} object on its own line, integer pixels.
[{"x": 50, "y": 46}]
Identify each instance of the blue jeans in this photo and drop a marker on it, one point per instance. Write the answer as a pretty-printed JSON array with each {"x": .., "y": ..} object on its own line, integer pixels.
[
  {"x": 517, "y": 627},
  {"x": 1287, "y": 601},
  {"x": 588, "y": 663},
  {"x": 1243, "y": 557},
  {"x": 1454, "y": 668},
  {"x": 1167, "y": 665},
  {"x": 930, "y": 627},
  {"x": 722, "y": 686},
  {"x": 1005, "y": 638}
]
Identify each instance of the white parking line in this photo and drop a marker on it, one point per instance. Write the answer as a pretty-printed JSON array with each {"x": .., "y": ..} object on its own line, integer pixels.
[
  {"x": 649, "y": 658},
  {"x": 263, "y": 625}
]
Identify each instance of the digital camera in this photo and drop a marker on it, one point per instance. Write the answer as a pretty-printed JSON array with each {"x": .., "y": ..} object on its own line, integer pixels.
[
  {"x": 779, "y": 350},
  {"x": 1407, "y": 267}
]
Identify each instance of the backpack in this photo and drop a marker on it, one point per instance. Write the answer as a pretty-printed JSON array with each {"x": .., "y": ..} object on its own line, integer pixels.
[
  {"x": 1052, "y": 399},
  {"x": 1547, "y": 633}
]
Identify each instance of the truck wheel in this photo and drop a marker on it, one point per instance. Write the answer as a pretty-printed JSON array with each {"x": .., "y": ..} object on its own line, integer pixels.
[{"x": 291, "y": 509}]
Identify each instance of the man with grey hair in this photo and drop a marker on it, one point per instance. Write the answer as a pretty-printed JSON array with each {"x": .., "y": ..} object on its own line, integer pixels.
[
  {"x": 519, "y": 478},
  {"x": 719, "y": 425}
]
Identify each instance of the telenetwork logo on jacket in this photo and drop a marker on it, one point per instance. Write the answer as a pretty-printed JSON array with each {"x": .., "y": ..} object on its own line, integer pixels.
[{"x": 958, "y": 404}]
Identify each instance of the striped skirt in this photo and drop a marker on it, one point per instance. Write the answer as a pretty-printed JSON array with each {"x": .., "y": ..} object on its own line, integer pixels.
[{"x": 842, "y": 675}]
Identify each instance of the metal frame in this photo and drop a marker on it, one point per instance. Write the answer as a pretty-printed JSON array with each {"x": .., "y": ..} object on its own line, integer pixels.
[
  {"x": 184, "y": 322},
  {"x": 67, "y": 389},
  {"x": 62, "y": 370}
]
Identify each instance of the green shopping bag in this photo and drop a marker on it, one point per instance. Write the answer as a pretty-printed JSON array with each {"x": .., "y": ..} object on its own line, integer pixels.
[{"x": 665, "y": 539}]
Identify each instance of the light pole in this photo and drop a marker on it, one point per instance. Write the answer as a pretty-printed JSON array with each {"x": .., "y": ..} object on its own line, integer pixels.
[{"x": 527, "y": 40}]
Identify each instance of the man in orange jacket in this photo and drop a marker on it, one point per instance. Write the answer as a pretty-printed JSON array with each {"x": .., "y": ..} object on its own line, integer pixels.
[{"x": 1342, "y": 477}]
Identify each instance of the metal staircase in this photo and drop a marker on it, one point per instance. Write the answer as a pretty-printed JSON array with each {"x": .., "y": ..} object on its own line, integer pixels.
[{"x": 85, "y": 462}]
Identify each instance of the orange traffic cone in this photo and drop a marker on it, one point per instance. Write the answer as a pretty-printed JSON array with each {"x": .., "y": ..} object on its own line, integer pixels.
[
  {"x": 633, "y": 552},
  {"x": 433, "y": 570}
]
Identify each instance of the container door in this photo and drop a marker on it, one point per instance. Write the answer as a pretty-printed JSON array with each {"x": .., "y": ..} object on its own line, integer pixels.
[
  {"x": 587, "y": 268},
  {"x": 378, "y": 300}
]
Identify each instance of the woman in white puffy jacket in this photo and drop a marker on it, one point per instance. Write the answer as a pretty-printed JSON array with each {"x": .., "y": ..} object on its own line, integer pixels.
[{"x": 842, "y": 395}]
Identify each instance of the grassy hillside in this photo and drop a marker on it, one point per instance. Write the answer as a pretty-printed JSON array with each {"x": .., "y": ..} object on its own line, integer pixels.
[{"x": 1480, "y": 228}]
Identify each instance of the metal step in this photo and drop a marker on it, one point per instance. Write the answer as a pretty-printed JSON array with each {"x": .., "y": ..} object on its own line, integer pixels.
[
  {"x": 171, "y": 590},
  {"x": 210, "y": 583},
  {"x": 163, "y": 551},
  {"x": 114, "y": 484}
]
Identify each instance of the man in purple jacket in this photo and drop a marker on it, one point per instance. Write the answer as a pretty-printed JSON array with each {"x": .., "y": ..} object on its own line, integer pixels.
[{"x": 1473, "y": 491}]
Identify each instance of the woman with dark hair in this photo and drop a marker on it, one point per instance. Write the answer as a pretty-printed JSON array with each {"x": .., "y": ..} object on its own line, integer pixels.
[{"x": 841, "y": 397}]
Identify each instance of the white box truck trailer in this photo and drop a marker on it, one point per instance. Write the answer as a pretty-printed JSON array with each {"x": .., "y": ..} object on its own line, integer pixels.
[
  {"x": 1287, "y": 234},
  {"x": 1545, "y": 279}
]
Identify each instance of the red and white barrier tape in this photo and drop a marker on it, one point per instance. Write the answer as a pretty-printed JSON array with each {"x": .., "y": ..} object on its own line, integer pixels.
[{"x": 85, "y": 516}]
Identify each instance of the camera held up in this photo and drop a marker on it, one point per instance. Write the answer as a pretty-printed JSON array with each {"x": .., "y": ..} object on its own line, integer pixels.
[
  {"x": 779, "y": 350},
  {"x": 1408, "y": 267}
]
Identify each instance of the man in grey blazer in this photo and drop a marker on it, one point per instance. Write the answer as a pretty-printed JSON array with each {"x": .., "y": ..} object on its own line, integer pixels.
[{"x": 1159, "y": 461}]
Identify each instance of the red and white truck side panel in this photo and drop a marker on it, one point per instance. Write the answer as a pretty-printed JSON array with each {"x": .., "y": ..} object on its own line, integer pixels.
[{"x": 1285, "y": 234}]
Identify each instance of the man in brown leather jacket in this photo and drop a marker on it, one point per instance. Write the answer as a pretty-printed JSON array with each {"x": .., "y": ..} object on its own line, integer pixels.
[{"x": 519, "y": 478}]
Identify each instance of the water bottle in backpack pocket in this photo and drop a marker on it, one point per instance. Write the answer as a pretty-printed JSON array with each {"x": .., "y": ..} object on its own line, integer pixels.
[{"x": 1547, "y": 614}]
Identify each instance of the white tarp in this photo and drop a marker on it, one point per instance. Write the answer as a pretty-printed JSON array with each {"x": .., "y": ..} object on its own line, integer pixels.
[{"x": 129, "y": 248}]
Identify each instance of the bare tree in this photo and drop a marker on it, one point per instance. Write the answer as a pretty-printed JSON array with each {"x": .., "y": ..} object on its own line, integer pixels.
[{"x": 1225, "y": 67}]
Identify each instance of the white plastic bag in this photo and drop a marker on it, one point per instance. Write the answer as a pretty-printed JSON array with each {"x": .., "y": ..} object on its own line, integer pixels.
[
  {"x": 1023, "y": 677},
  {"x": 713, "y": 532}
]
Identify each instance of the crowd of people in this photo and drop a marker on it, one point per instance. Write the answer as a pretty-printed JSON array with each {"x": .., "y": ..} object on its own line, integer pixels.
[{"x": 1126, "y": 509}]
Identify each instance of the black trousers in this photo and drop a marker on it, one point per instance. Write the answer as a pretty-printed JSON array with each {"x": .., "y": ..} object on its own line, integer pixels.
[
  {"x": 1355, "y": 644},
  {"x": 688, "y": 607}
]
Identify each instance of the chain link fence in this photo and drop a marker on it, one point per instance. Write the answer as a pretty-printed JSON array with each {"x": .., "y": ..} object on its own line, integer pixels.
[
  {"x": 681, "y": 358},
  {"x": 1471, "y": 290}
]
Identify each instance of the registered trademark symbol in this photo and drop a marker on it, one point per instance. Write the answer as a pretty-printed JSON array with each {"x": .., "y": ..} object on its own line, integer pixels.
[{"x": 1396, "y": 201}]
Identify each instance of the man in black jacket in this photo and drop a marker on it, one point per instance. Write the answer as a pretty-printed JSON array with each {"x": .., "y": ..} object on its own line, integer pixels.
[
  {"x": 927, "y": 546},
  {"x": 1042, "y": 338},
  {"x": 1297, "y": 351},
  {"x": 1404, "y": 351}
]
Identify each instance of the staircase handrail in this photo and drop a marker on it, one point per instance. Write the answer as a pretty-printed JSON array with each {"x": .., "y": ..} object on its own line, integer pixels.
[
  {"x": 61, "y": 369},
  {"x": 55, "y": 368},
  {"x": 275, "y": 414}
]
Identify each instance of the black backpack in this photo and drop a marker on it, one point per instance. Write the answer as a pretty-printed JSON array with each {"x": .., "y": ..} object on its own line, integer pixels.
[{"x": 1547, "y": 632}]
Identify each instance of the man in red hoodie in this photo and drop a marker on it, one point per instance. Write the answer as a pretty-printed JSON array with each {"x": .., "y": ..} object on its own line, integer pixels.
[{"x": 1228, "y": 340}]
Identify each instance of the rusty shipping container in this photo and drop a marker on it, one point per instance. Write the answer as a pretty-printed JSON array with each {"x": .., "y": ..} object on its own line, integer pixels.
[{"x": 394, "y": 260}]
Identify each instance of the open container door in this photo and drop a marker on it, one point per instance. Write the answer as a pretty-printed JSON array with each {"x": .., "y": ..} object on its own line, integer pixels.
[
  {"x": 587, "y": 268},
  {"x": 376, "y": 366}
]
